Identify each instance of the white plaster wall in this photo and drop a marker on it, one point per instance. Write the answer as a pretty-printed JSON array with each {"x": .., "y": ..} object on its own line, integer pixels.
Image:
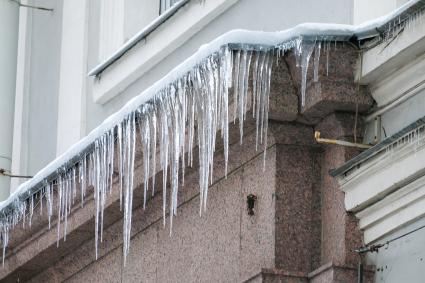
[
  {"x": 73, "y": 66},
  {"x": 38, "y": 88},
  {"x": 366, "y": 10},
  {"x": 44, "y": 85},
  {"x": 9, "y": 19},
  {"x": 398, "y": 118},
  {"x": 267, "y": 15},
  {"x": 402, "y": 260},
  {"x": 138, "y": 14}
]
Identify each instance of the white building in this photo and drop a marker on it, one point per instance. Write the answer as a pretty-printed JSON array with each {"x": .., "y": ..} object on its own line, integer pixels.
[
  {"x": 57, "y": 103},
  {"x": 67, "y": 65}
]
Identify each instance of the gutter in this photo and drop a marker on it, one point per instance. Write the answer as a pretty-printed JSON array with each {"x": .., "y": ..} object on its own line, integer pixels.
[{"x": 96, "y": 71}]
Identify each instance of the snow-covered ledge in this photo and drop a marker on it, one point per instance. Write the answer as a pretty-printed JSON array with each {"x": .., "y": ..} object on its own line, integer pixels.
[
  {"x": 386, "y": 190},
  {"x": 160, "y": 43},
  {"x": 384, "y": 66}
]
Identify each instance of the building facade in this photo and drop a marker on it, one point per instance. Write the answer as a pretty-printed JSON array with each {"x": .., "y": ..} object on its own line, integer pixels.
[{"x": 287, "y": 220}]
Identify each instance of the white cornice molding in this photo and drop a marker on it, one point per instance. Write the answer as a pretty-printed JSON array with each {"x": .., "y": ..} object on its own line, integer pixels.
[{"x": 388, "y": 191}]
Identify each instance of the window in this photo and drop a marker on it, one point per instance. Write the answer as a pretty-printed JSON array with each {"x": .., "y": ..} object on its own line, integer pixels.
[
  {"x": 122, "y": 19},
  {"x": 111, "y": 35},
  {"x": 165, "y": 5}
]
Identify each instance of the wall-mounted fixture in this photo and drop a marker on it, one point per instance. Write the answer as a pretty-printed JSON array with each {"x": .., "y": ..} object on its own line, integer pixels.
[
  {"x": 31, "y": 6},
  {"x": 4, "y": 172},
  {"x": 339, "y": 142},
  {"x": 250, "y": 201}
]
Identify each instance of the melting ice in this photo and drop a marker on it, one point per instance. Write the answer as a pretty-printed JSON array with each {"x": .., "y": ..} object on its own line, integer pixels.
[{"x": 183, "y": 115}]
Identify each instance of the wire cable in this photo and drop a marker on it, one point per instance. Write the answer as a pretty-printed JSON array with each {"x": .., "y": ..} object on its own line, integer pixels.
[
  {"x": 32, "y": 7},
  {"x": 376, "y": 247}
]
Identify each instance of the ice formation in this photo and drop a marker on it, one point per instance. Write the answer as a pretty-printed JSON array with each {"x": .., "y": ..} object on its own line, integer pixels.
[{"x": 185, "y": 110}]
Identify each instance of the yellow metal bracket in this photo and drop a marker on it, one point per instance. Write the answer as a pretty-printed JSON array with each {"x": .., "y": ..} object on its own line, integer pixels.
[{"x": 339, "y": 142}]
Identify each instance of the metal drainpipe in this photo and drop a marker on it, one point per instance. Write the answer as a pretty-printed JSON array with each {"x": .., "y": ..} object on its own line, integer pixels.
[{"x": 9, "y": 24}]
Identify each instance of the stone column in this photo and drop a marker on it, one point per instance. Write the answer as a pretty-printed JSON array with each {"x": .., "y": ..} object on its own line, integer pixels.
[
  {"x": 297, "y": 208},
  {"x": 340, "y": 233}
]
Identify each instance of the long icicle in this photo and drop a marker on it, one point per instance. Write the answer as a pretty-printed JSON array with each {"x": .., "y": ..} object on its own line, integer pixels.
[{"x": 196, "y": 105}]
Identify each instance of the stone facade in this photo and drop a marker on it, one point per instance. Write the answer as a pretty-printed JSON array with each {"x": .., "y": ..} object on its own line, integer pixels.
[{"x": 299, "y": 230}]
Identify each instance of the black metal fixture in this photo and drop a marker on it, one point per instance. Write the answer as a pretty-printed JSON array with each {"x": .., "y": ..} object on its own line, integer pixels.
[{"x": 250, "y": 201}]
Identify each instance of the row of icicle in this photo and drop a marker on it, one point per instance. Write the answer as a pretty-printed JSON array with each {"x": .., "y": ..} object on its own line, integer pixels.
[{"x": 188, "y": 112}]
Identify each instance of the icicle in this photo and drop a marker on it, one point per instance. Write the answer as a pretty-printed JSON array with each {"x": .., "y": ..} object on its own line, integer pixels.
[
  {"x": 74, "y": 184},
  {"x": 66, "y": 201},
  {"x": 303, "y": 53},
  {"x": 153, "y": 146},
  {"x": 191, "y": 120},
  {"x": 42, "y": 193},
  {"x": 181, "y": 131},
  {"x": 49, "y": 197},
  {"x": 24, "y": 214},
  {"x": 254, "y": 84},
  {"x": 31, "y": 208},
  {"x": 97, "y": 194},
  {"x": 236, "y": 84},
  {"x": 121, "y": 160},
  {"x": 327, "y": 45},
  {"x": 144, "y": 126},
  {"x": 317, "y": 61},
  {"x": 259, "y": 97},
  {"x": 264, "y": 100},
  {"x": 60, "y": 190},
  {"x": 225, "y": 81},
  {"x": 243, "y": 89},
  {"x": 129, "y": 154},
  {"x": 5, "y": 239},
  {"x": 266, "y": 108},
  {"x": 164, "y": 154},
  {"x": 82, "y": 172},
  {"x": 174, "y": 153},
  {"x": 111, "y": 157}
]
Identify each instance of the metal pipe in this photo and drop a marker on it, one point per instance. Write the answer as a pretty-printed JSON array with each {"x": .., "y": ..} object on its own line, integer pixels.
[
  {"x": 339, "y": 142},
  {"x": 360, "y": 272},
  {"x": 32, "y": 7},
  {"x": 137, "y": 38},
  {"x": 9, "y": 23},
  {"x": 4, "y": 172}
]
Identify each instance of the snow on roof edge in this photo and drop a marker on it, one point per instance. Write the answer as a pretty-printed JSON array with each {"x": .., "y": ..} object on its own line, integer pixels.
[{"x": 322, "y": 30}]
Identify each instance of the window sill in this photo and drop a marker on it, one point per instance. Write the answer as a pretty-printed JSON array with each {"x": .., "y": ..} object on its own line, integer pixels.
[{"x": 162, "y": 41}]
